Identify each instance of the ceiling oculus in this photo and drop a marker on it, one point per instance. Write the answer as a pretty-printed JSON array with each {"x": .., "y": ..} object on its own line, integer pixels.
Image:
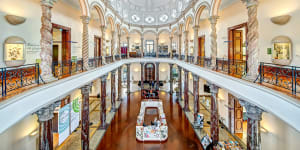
[
  {"x": 135, "y": 18},
  {"x": 149, "y": 19},
  {"x": 163, "y": 18}
]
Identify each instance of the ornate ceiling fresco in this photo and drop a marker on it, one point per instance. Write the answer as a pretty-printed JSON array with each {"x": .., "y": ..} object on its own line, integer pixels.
[{"x": 149, "y": 12}]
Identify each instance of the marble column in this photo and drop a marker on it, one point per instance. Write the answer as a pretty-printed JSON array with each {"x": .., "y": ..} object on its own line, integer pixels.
[
  {"x": 157, "y": 75},
  {"x": 45, "y": 116},
  {"x": 214, "y": 117},
  {"x": 213, "y": 40},
  {"x": 157, "y": 46},
  {"x": 171, "y": 79},
  {"x": 196, "y": 44},
  {"x": 46, "y": 41},
  {"x": 142, "y": 46},
  {"x": 103, "y": 51},
  {"x": 103, "y": 103},
  {"x": 196, "y": 98},
  {"x": 254, "y": 115},
  {"x": 142, "y": 77},
  {"x": 252, "y": 39},
  {"x": 179, "y": 45},
  {"x": 112, "y": 44},
  {"x": 171, "y": 50},
  {"x": 119, "y": 83},
  {"x": 186, "y": 91},
  {"x": 85, "y": 119},
  {"x": 113, "y": 91},
  {"x": 128, "y": 78},
  {"x": 128, "y": 46},
  {"x": 180, "y": 82},
  {"x": 85, "y": 42},
  {"x": 119, "y": 46},
  {"x": 186, "y": 53}
]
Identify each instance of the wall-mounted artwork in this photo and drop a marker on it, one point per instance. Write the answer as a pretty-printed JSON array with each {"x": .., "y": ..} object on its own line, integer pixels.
[
  {"x": 14, "y": 51},
  {"x": 282, "y": 50}
]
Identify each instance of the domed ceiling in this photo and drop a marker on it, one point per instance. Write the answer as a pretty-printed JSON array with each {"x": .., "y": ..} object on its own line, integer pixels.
[{"x": 149, "y": 12}]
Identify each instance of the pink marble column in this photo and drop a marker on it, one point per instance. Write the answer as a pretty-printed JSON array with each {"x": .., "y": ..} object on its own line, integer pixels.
[
  {"x": 119, "y": 83},
  {"x": 128, "y": 78},
  {"x": 85, "y": 42},
  {"x": 45, "y": 116},
  {"x": 214, "y": 117},
  {"x": 196, "y": 98},
  {"x": 103, "y": 103},
  {"x": 85, "y": 119},
  {"x": 113, "y": 91},
  {"x": 171, "y": 79},
  {"x": 46, "y": 41},
  {"x": 142, "y": 78},
  {"x": 186, "y": 91},
  {"x": 253, "y": 114},
  {"x": 180, "y": 82}
]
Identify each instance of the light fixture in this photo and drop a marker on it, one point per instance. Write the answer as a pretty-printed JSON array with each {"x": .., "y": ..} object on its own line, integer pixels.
[
  {"x": 34, "y": 132},
  {"x": 281, "y": 20},
  {"x": 15, "y": 20},
  {"x": 262, "y": 129},
  {"x": 163, "y": 18}
]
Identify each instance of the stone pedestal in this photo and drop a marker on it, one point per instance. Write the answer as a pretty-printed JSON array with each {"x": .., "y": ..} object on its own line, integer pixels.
[
  {"x": 85, "y": 119},
  {"x": 103, "y": 103},
  {"x": 214, "y": 118},
  {"x": 186, "y": 91}
]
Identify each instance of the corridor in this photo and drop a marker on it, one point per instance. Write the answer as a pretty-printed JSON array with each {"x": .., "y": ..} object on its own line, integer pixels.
[{"x": 121, "y": 133}]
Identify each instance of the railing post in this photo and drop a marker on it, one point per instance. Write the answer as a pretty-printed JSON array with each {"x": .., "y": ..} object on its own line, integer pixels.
[
  {"x": 70, "y": 67},
  {"x": 21, "y": 77},
  {"x": 5, "y": 82},
  {"x": 38, "y": 72},
  {"x": 217, "y": 64},
  {"x": 294, "y": 83},
  {"x": 276, "y": 76},
  {"x": 228, "y": 66},
  {"x": 82, "y": 65},
  {"x": 2, "y": 85}
]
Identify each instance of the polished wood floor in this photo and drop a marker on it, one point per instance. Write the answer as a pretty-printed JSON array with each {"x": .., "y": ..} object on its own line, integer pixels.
[{"x": 121, "y": 133}]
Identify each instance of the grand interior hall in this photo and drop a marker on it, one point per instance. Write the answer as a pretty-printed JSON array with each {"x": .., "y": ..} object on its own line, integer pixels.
[{"x": 149, "y": 74}]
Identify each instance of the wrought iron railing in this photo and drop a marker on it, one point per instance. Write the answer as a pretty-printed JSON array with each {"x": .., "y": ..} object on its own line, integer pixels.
[
  {"x": 13, "y": 78},
  {"x": 190, "y": 59},
  {"x": 204, "y": 61},
  {"x": 234, "y": 67},
  {"x": 283, "y": 76}
]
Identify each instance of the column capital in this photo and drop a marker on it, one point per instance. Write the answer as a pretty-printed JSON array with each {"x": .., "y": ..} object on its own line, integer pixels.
[
  {"x": 213, "y": 19},
  {"x": 49, "y": 3},
  {"x": 252, "y": 111},
  {"x": 186, "y": 32},
  {"x": 196, "y": 27},
  {"x": 185, "y": 71},
  {"x": 86, "y": 88},
  {"x": 46, "y": 113},
  {"x": 180, "y": 35},
  {"x": 104, "y": 77},
  {"x": 195, "y": 77},
  {"x": 85, "y": 19},
  {"x": 213, "y": 88},
  {"x": 128, "y": 37},
  {"x": 250, "y": 3},
  {"x": 113, "y": 72},
  {"x": 171, "y": 65}
]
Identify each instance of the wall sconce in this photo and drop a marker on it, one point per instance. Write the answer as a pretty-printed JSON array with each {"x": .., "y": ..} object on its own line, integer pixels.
[
  {"x": 136, "y": 69},
  {"x": 281, "y": 20},
  {"x": 162, "y": 69},
  {"x": 15, "y": 20},
  {"x": 34, "y": 132},
  {"x": 262, "y": 129}
]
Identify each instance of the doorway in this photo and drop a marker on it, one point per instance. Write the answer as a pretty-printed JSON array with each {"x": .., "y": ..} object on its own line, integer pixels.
[
  {"x": 237, "y": 118},
  {"x": 237, "y": 42},
  {"x": 149, "y": 72},
  {"x": 201, "y": 48},
  {"x": 61, "y": 37}
]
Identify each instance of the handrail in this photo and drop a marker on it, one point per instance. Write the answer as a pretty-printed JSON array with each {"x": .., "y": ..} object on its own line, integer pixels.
[{"x": 282, "y": 106}]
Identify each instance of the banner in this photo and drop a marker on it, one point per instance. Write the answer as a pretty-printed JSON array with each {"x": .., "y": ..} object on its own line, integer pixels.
[
  {"x": 63, "y": 123},
  {"x": 75, "y": 113}
]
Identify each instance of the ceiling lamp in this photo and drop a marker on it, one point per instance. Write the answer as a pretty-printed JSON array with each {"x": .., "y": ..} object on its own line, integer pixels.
[
  {"x": 149, "y": 19},
  {"x": 163, "y": 18},
  {"x": 135, "y": 18}
]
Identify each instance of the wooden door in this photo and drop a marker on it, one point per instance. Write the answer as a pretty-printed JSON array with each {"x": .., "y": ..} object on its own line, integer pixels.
[
  {"x": 150, "y": 72},
  {"x": 238, "y": 117},
  {"x": 55, "y": 53},
  {"x": 238, "y": 44},
  {"x": 97, "y": 46},
  {"x": 201, "y": 48},
  {"x": 66, "y": 45}
]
